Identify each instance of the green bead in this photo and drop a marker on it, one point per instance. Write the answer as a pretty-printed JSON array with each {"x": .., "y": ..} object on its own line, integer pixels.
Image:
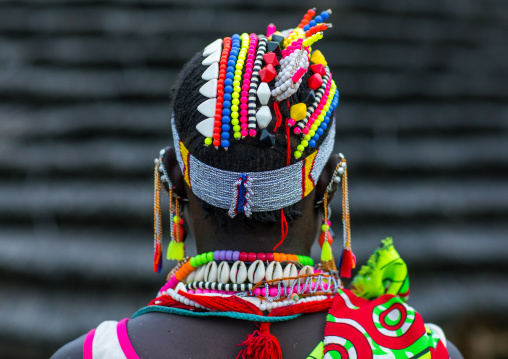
[
  {"x": 298, "y": 154},
  {"x": 237, "y": 88},
  {"x": 193, "y": 262},
  {"x": 176, "y": 219},
  {"x": 202, "y": 256},
  {"x": 325, "y": 227},
  {"x": 208, "y": 141},
  {"x": 237, "y": 128},
  {"x": 238, "y": 72},
  {"x": 234, "y": 115},
  {"x": 236, "y": 84},
  {"x": 313, "y": 127},
  {"x": 235, "y": 95},
  {"x": 300, "y": 259},
  {"x": 235, "y": 121},
  {"x": 306, "y": 137},
  {"x": 310, "y": 261},
  {"x": 237, "y": 135},
  {"x": 235, "y": 101},
  {"x": 312, "y": 133},
  {"x": 234, "y": 108},
  {"x": 209, "y": 256},
  {"x": 305, "y": 143},
  {"x": 198, "y": 260},
  {"x": 300, "y": 148}
]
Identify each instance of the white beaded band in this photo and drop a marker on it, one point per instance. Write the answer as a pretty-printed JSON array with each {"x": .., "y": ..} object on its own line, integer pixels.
[{"x": 269, "y": 190}]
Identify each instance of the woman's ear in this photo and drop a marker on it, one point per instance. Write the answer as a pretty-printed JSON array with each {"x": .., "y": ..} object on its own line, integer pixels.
[
  {"x": 173, "y": 169},
  {"x": 326, "y": 177}
]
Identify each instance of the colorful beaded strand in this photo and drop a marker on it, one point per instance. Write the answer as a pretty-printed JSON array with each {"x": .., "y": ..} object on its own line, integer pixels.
[
  {"x": 237, "y": 85},
  {"x": 254, "y": 86},
  {"x": 249, "y": 65},
  {"x": 228, "y": 90}
]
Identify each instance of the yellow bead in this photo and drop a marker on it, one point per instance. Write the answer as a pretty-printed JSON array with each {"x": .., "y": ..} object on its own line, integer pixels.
[
  {"x": 298, "y": 111},
  {"x": 318, "y": 58}
]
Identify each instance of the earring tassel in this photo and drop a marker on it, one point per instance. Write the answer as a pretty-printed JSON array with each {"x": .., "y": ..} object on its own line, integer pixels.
[
  {"x": 176, "y": 248},
  {"x": 157, "y": 222},
  {"x": 347, "y": 259}
]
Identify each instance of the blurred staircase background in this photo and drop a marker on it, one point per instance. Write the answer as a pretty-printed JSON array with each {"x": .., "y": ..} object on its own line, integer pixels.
[{"x": 84, "y": 109}]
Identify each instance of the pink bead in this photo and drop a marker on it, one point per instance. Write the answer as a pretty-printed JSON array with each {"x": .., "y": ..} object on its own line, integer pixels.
[
  {"x": 297, "y": 130},
  {"x": 270, "y": 30},
  {"x": 246, "y": 81},
  {"x": 199, "y": 291},
  {"x": 252, "y": 133},
  {"x": 291, "y": 122},
  {"x": 320, "y": 107},
  {"x": 244, "y": 133},
  {"x": 244, "y": 113},
  {"x": 245, "y": 88},
  {"x": 244, "y": 126},
  {"x": 283, "y": 52},
  {"x": 172, "y": 282},
  {"x": 248, "y": 71},
  {"x": 305, "y": 130},
  {"x": 244, "y": 106},
  {"x": 298, "y": 74},
  {"x": 214, "y": 291},
  {"x": 257, "y": 291},
  {"x": 263, "y": 292},
  {"x": 206, "y": 291},
  {"x": 244, "y": 93},
  {"x": 190, "y": 291},
  {"x": 230, "y": 292},
  {"x": 273, "y": 292}
]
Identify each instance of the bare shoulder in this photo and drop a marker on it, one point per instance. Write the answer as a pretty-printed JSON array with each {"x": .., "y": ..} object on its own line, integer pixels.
[{"x": 71, "y": 350}]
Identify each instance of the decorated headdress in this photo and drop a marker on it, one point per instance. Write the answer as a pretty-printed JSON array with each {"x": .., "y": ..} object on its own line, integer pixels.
[{"x": 267, "y": 89}]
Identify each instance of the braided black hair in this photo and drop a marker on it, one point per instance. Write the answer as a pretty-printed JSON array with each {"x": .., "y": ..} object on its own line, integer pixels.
[{"x": 247, "y": 155}]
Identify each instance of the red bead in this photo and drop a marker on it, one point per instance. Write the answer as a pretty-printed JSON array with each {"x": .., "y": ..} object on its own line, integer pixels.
[
  {"x": 216, "y": 143},
  {"x": 243, "y": 256},
  {"x": 271, "y": 58},
  {"x": 315, "y": 81},
  {"x": 318, "y": 69},
  {"x": 217, "y": 123},
  {"x": 269, "y": 257},
  {"x": 251, "y": 257},
  {"x": 267, "y": 73},
  {"x": 216, "y": 136},
  {"x": 261, "y": 256}
]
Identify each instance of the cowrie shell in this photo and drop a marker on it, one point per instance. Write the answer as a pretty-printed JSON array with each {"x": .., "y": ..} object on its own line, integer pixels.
[
  {"x": 290, "y": 272},
  {"x": 274, "y": 271},
  {"x": 200, "y": 275},
  {"x": 306, "y": 270},
  {"x": 223, "y": 273},
  {"x": 238, "y": 273},
  {"x": 256, "y": 271},
  {"x": 190, "y": 277},
  {"x": 211, "y": 272}
]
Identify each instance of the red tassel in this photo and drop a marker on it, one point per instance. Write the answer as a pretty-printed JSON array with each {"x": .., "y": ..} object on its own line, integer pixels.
[
  {"x": 157, "y": 258},
  {"x": 228, "y": 304},
  {"x": 346, "y": 264},
  {"x": 261, "y": 345},
  {"x": 179, "y": 232}
]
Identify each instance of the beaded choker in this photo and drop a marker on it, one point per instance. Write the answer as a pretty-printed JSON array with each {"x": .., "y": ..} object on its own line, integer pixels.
[{"x": 268, "y": 280}]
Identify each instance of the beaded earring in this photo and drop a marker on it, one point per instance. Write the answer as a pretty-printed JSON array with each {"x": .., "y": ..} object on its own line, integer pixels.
[
  {"x": 347, "y": 260},
  {"x": 176, "y": 248},
  {"x": 157, "y": 220}
]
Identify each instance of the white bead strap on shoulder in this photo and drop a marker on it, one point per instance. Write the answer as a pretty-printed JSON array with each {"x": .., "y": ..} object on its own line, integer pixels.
[
  {"x": 271, "y": 190},
  {"x": 105, "y": 343}
]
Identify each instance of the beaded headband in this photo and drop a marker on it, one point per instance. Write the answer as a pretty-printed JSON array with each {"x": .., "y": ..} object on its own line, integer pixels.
[{"x": 252, "y": 191}]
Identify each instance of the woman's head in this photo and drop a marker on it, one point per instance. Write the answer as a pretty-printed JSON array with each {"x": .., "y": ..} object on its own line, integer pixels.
[{"x": 256, "y": 112}]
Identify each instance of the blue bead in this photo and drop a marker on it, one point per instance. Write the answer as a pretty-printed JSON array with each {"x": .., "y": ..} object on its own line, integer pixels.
[
  {"x": 312, "y": 143},
  {"x": 312, "y": 23},
  {"x": 230, "y": 75},
  {"x": 226, "y": 112},
  {"x": 225, "y": 119},
  {"x": 231, "y": 63},
  {"x": 227, "y": 97},
  {"x": 226, "y": 104},
  {"x": 325, "y": 15},
  {"x": 225, "y": 135},
  {"x": 318, "y": 19},
  {"x": 325, "y": 122},
  {"x": 225, "y": 127},
  {"x": 315, "y": 137},
  {"x": 230, "y": 69},
  {"x": 228, "y": 82},
  {"x": 224, "y": 143},
  {"x": 319, "y": 131},
  {"x": 306, "y": 28},
  {"x": 235, "y": 36},
  {"x": 323, "y": 126},
  {"x": 228, "y": 89}
]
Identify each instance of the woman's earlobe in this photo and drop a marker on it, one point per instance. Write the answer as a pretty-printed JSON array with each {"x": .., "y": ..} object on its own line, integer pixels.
[{"x": 174, "y": 172}]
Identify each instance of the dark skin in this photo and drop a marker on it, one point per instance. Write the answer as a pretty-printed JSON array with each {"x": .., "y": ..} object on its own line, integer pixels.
[{"x": 162, "y": 336}]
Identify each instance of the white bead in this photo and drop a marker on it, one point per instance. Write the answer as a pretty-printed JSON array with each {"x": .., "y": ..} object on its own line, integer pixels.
[
  {"x": 223, "y": 273},
  {"x": 205, "y": 127},
  {"x": 186, "y": 301},
  {"x": 214, "y": 46},
  {"x": 211, "y": 272},
  {"x": 213, "y": 57},
  {"x": 284, "y": 87},
  {"x": 207, "y": 108},
  {"x": 212, "y": 72},
  {"x": 268, "y": 306},
  {"x": 263, "y": 116},
  {"x": 262, "y": 307},
  {"x": 264, "y": 93},
  {"x": 209, "y": 89},
  {"x": 238, "y": 273}
]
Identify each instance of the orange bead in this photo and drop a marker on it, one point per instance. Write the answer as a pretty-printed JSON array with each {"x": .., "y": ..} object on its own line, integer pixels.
[
  {"x": 276, "y": 257},
  {"x": 283, "y": 257},
  {"x": 179, "y": 275}
]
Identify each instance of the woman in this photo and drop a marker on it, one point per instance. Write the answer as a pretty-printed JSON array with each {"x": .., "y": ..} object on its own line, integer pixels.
[{"x": 252, "y": 173}]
